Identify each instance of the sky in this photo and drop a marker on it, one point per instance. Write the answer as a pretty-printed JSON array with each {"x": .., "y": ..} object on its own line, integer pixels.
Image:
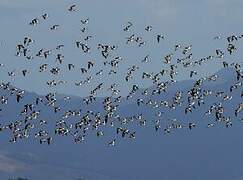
[{"x": 187, "y": 22}]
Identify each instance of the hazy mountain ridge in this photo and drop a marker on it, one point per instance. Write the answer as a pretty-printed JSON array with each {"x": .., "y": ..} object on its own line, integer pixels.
[{"x": 169, "y": 151}]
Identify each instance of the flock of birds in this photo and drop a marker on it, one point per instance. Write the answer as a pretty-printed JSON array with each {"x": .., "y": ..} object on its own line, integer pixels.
[{"x": 76, "y": 123}]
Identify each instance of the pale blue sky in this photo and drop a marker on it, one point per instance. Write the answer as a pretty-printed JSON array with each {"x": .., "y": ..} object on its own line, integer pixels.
[{"x": 186, "y": 22}]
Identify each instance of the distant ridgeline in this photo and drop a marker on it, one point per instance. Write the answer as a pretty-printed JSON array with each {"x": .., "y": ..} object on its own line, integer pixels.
[
  {"x": 19, "y": 178},
  {"x": 167, "y": 107}
]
